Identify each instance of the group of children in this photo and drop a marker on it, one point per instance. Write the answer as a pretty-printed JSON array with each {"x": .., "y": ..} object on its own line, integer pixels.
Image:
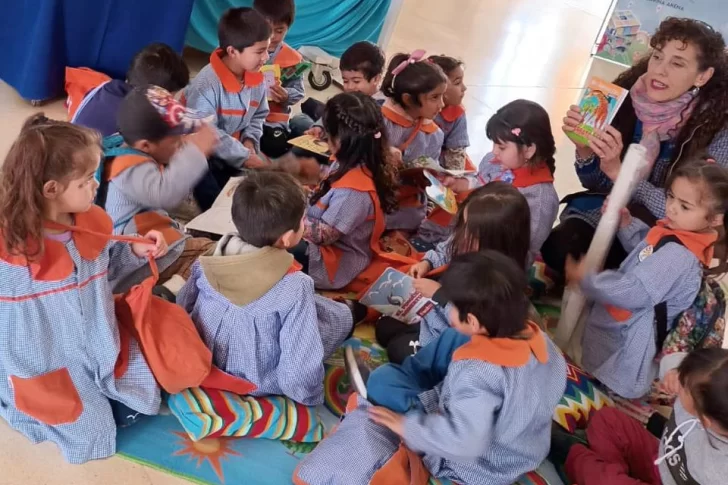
[{"x": 472, "y": 402}]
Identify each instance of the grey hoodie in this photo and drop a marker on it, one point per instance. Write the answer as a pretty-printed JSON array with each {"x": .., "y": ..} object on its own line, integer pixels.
[{"x": 706, "y": 452}]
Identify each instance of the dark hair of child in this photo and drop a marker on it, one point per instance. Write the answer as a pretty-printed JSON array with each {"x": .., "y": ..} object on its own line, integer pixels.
[
  {"x": 266, "y": 205},
  {"x": 363, "y": 57},
  {"x": 495, "y": 216},
  {"x": 490, "y": 286},
  {"x": 45, "y": 150},
  {"x": 160, "y": 65},
  {"x": 354, "y": 121},
  {"x": 447, "y": 64},
  {"x": 714, "y": 181},
  {"x": 532, "y": 125},
  {"x": 276, "y": 12},
  {"x": 416, "y": 79},
  {"x": 704, "y": 374},
  {"x": 242, "y": 27}
]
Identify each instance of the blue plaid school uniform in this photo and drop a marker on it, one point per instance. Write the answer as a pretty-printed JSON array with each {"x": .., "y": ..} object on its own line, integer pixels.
[
  {"x": 59, "y": 345},
  {"x": 490, "y": 425}
]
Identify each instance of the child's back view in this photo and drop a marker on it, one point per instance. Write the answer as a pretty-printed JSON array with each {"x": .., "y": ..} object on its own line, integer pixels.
[{"x": 253, "y": 307}]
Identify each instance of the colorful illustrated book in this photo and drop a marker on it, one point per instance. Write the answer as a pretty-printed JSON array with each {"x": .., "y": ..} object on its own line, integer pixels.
[
  {"x": 427, "y": 163},
  {"x": 311, "y": 143},
  {"x": 271, "y": 76},
  {"x": 393, "y": 295},
  {"x": 294, "y": 71},
  {"x": 600, "y": 103},
  {"x": 441, "y": 195}
]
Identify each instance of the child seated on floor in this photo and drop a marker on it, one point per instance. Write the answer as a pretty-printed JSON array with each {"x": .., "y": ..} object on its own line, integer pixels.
[
  {"x": 60, "y": 345},
  {"x": 493, "y": 217},
  {"x": 473, "y": 407},
  {"x": 345, "y": 219},
  {"x": 666, "y": 264},
  {"x": 361, "y": 68},
  {"x": 156, "y": 64},
  {"x": 523, "y": 155},
  {"x": 694, "y": 443},
  {"x": 414, "y": 89},
  {"x": 231, "y": 90},
  {"x": 451, "y": 119},
  {"x": 254, "y": 308},
  {"x": 281, "y": 97},
  {"x": 166, "y": 156}
]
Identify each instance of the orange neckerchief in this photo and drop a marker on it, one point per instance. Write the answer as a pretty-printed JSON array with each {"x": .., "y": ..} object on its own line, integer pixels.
[
  {"x": 506, "y": 352},
  {"x": 55, "y": 264},
  {"x": 397, "y": 115},
  {"x": 527, "y": 176},
  {"x": 287, "y": 57},
  {"x": 452, "y": 113},
  {"x": 230, "y": 81},
  {"x": 700, "y": 244}
]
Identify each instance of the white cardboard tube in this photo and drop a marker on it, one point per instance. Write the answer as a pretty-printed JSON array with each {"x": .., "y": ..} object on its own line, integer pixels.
[{"x": 571, "y": 324}]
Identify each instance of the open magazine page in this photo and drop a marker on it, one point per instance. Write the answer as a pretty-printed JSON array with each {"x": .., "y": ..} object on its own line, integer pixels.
[
  {"x": 218, "y": 219},
  {"x": 393, "y": 295},
  {"x": 427, "y": 163}
]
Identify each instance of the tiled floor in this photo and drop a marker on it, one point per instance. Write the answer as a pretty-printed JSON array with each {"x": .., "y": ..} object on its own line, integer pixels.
[{"x": 534, "y": 49}]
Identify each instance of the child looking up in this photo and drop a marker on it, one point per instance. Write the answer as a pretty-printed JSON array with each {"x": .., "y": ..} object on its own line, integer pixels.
[
  {"x": 231, "y": 90},
  {"x": 496, "y": 217},
  {"x": 346, "y": 217},
  {"x": 280, "y": 15},
  {"x": 451, "y": 119},
  {"x": 60, "y": 340},
  {"x": 255, "y": 309},
  {"x": 414, "y": 89},
  {"x": 694, "y": 443},
  {"x": 156, "y": 64},
  {"x": 159, "y": 171},
  {"x": 475, "y": 407},
  {"x": 523, "y": 155},
  {"x": 665, "y": 264}
]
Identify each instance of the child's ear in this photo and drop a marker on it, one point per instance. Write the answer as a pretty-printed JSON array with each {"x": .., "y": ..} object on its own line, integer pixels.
[
  {"x": 474, "y": 325},
  {"x": 377, "y": 79},
  {"x": 408, "y": 100},
  {"x": 52, "y": 189},
  {"x": 230, "y": 51},
  {"x": 286, "y": 240},
  {"x": 142, "y": 145},
  {"x": 529, "y": 151},
  {"x": 717, "y": 220}
]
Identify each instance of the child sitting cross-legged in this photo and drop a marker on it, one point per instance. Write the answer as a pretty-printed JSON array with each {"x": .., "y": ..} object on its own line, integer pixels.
[
  {"x": 254, "y": 308},
  {"x": 166, "y": 148},
  {"x": 474, "y": 407}
]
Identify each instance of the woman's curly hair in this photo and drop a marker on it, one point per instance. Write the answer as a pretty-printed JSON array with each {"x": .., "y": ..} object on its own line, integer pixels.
[{"x": 711, "y": 108}]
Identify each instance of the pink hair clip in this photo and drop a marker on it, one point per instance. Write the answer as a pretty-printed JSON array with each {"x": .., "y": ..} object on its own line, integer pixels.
[
  {"x": 416, "y": 56},
  {"x": 378, "y": 135},
  {"x": 516, "y": 131}
]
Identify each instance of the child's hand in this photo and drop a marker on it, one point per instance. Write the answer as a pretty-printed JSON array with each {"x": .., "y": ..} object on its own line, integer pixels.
[
  {"x": 427, "y": 288},
  {"x": 388, "y": 419},
  {"x": 254, "y": 161},
  {"x": 575, "y": 270},
  {"x": 420, "y": 269},
  {"x": 395, "y": 156},
  {"x": 625, "y": 218},
  {"x": 278, "y": 94},
  {"x": 156, "y": 248},
  {"x": 315, "y": 131},
  {"x": 205, "y": 139},
  {"x": 670, "y": 384},
  {"x": 458, "y": 185}
]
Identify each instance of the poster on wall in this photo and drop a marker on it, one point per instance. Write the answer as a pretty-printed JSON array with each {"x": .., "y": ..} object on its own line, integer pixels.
[{"x": 627, "y": 36}]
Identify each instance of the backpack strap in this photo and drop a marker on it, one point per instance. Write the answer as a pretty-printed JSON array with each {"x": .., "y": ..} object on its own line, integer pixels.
[{"x": 661, "y": 328}]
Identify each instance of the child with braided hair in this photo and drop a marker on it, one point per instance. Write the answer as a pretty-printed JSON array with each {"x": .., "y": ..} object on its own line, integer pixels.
[{"x": 346, "y": 215}]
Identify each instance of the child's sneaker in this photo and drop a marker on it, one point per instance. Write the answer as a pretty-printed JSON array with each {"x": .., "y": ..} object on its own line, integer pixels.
[{"x": 357, "y": 370}]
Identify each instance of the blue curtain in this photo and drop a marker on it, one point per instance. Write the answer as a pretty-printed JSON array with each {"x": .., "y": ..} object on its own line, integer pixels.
[{"x": 332, "y": 25}]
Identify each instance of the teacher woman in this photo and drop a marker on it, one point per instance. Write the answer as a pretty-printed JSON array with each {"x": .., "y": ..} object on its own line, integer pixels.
[{"x": 677, "y": 108}]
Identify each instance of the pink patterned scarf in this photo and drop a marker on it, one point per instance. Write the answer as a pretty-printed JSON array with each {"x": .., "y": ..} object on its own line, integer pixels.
[{"x": 660, "y": 121}]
